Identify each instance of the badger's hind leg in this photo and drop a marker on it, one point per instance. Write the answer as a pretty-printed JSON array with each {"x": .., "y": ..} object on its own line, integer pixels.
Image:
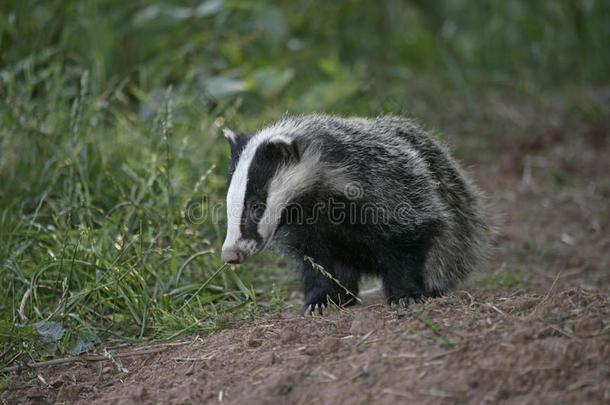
[{"x": 325, "y": 283}]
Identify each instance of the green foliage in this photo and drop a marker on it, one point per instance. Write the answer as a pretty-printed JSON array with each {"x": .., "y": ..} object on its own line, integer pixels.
[{"x": 112, "y": 167}]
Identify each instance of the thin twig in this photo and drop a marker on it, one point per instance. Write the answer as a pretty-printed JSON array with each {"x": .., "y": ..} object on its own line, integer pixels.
[
  {"x": 208, "y": 356},
  {"x": 498, "y": 310},
  {"x": 365, "y": 337},
  {"x": 84, "y": 357}
]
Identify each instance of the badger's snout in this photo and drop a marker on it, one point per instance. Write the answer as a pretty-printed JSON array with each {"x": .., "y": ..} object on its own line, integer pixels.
[
  {"x": 240, "y": 250},
  {"x": 232, "y": 255}
]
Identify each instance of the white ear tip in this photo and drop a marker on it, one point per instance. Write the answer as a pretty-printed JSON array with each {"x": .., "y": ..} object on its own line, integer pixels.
[{"x": 230, "y": 135}]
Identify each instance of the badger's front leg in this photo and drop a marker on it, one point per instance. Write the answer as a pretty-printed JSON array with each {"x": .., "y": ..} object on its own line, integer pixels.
[
  {"x": 403, "y": 278},
  {"x": 324, "y": 283},
  {"x": 317, "y": 287}
]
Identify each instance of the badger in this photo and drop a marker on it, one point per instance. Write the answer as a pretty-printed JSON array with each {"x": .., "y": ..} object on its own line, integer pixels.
[{"x": 348, "y": 197}]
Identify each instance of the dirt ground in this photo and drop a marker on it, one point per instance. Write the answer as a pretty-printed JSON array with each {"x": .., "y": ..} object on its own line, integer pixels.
[{"x": 534, "y": 328}]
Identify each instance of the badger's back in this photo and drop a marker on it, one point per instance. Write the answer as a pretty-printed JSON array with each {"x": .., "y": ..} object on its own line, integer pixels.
[
  {"x": 394, "y": 162},
  {"x": 464, "y": 242}
]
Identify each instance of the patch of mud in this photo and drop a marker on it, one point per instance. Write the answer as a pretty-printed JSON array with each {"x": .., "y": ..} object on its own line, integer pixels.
[{"x": 468, "y": 347}]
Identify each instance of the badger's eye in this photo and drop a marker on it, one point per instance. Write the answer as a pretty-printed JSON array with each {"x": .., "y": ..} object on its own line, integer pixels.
[{"x": 257, "y": 210}]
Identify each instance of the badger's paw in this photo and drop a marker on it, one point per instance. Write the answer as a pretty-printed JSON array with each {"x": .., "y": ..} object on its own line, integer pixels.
[
  {"x": 316, "y": 301},
  {"x": 314, "y": 309},
  {"x": 404, "y": 302}
]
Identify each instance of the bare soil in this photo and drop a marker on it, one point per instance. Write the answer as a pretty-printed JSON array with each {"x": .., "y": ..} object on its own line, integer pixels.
[{"x": 533, "y": 328}]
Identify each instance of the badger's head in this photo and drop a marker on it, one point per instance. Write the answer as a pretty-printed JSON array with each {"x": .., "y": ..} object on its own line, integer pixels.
[{"x": 265, "y": 174}]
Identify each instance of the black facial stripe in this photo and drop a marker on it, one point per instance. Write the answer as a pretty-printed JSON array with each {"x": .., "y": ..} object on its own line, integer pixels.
[{"x": 266, "y": 161}]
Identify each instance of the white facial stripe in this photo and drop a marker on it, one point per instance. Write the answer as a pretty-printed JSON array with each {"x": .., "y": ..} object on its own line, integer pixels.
[
  {"x": 237, "y": 188},
  {"x": 236, "y": 194}
]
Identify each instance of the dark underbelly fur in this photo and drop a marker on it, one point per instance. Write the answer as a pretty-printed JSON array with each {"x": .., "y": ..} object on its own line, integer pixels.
[{"x": 349, "y": 252}]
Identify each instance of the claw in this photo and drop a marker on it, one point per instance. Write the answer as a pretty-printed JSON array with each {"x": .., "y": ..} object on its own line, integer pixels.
[
  {"x": 314, "y": 309},
  {"x": 405, "y": 302}
]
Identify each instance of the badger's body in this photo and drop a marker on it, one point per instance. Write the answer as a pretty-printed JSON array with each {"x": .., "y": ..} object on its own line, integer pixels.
[{"x": 358, "y": 196}]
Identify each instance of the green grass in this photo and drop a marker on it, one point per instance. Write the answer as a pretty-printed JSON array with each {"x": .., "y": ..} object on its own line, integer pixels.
[
  {"x": 113, "y": 166},
  {"x": 109, "y": 223},
  {"x": 501, "y": 279}
]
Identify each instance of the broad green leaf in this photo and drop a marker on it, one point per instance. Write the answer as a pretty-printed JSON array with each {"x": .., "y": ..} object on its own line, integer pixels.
[
  {"x": 49, "y": 331},
  {"x": 84, "y": 342}
]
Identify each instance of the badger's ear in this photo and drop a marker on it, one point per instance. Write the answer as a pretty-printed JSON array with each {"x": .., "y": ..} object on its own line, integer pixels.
[
  {"x": 237, "y": 141},
  {"x": 288, "y": 148},
  {"x": 230, "y": 135}
]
